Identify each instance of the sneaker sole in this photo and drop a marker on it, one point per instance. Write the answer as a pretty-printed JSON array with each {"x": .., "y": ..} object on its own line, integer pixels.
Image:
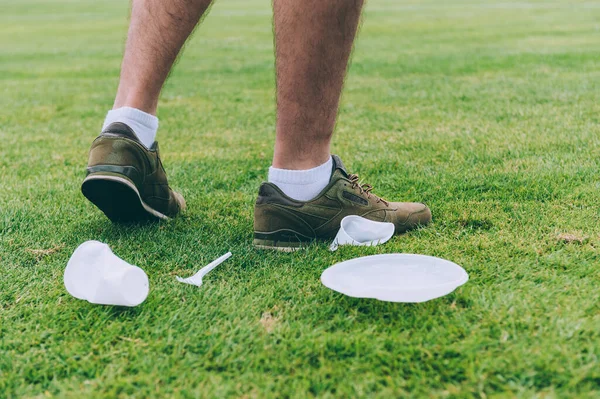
[
  {"x": 277, "y": 241},
  {"x": 272, "y": 248},
  {"x": 119, "y": 199}
]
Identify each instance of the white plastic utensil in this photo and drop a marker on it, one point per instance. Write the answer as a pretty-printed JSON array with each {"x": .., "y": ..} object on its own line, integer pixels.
[
  {"x": 196, "y": 279},
  {"x": 95, "y": 274},
  {"x": 356, "y": 230},
  {"x": 395, "y": 277}
]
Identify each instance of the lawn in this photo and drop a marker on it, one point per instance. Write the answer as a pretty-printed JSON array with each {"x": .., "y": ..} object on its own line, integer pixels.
[{"x": 487, "y": 111}]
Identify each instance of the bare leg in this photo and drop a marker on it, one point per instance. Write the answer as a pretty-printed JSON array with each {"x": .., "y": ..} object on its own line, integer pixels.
[
  {"x": 157, "y": 31},
  {"x": 313, "y": 41}
]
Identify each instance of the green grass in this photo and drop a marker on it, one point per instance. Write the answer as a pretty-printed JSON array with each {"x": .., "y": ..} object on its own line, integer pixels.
[{"x": 488, "y": 111}]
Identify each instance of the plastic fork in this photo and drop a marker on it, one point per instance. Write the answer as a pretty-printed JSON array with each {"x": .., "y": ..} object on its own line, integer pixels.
[{"x": 196, "y": 279}]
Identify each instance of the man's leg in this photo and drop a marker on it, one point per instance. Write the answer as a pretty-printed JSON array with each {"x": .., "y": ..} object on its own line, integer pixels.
[
  {"x": 309, "y": 190},
  {"x": 157, "y": 31},
  {"x": 313, "y": 41},
  {"x": 126, "y": 179}
]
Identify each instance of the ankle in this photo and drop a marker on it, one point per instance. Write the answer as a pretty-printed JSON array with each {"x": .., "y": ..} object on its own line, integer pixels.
[
  {"x": 144, "y": 125},
  {"x": 139, "y": 101},
  {"x": 295, "y": 161},
  {"x": 302, "y": 185}
]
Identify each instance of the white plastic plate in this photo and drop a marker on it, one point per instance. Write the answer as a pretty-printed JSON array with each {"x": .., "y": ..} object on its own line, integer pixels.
[{"x": 395, "y": 277}]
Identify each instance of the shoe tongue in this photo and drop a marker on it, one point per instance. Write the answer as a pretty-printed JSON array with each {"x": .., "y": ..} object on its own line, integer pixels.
[
  {"x": 338, "y": 165},
  {"x": 121, "y": 129}
]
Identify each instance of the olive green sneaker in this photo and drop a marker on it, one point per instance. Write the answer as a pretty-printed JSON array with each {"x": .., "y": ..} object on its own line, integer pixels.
[
  {"x": 126, "y": 180},
  {"x": 283, "y": 223}
]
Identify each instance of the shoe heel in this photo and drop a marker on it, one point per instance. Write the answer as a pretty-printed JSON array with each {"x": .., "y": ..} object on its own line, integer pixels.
[{"x": 118, "y": 197}]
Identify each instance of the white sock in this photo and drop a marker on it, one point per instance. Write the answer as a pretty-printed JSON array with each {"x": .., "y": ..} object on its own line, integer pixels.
[
  {"x": 143, "y": 124},
  {"x": 302, "y": 185}
]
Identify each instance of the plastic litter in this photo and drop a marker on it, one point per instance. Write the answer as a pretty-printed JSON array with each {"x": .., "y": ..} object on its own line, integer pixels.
[
  {"x": 196, "y": 279},
  {"x": 356, "y": 230},
  {"x": 395, "y": 277},
  {"x": 95, "y": 274}
]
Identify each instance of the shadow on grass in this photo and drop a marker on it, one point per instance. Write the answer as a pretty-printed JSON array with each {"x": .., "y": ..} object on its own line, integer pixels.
[
  {"x": 123, "y": 312},
  {"x": 85, "y": 310},
  {"x": 369, "y": 311},
  {"x": 102, "y": 229}
]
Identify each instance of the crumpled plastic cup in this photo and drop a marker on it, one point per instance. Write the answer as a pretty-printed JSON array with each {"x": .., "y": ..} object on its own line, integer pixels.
[
  {"x": 356, "y": 230},
  {"x": 95, "y": 274}
]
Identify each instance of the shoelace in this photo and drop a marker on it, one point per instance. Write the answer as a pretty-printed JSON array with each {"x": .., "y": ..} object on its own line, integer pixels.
[{"x": 364, "y": 188}]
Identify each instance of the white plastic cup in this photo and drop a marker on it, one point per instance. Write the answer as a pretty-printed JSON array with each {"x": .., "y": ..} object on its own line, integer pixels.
[
  {"x": 95, "y": 274},
  {"x": 356, "y": 230}
]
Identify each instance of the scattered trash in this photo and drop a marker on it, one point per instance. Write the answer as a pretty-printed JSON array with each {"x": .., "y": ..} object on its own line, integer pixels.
[
  {"x": 395, "y": 277},
  {"x": 356, "y": 230},
  {"x": 196, "y": 279},
  {"x": 95, "y": 274}
]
